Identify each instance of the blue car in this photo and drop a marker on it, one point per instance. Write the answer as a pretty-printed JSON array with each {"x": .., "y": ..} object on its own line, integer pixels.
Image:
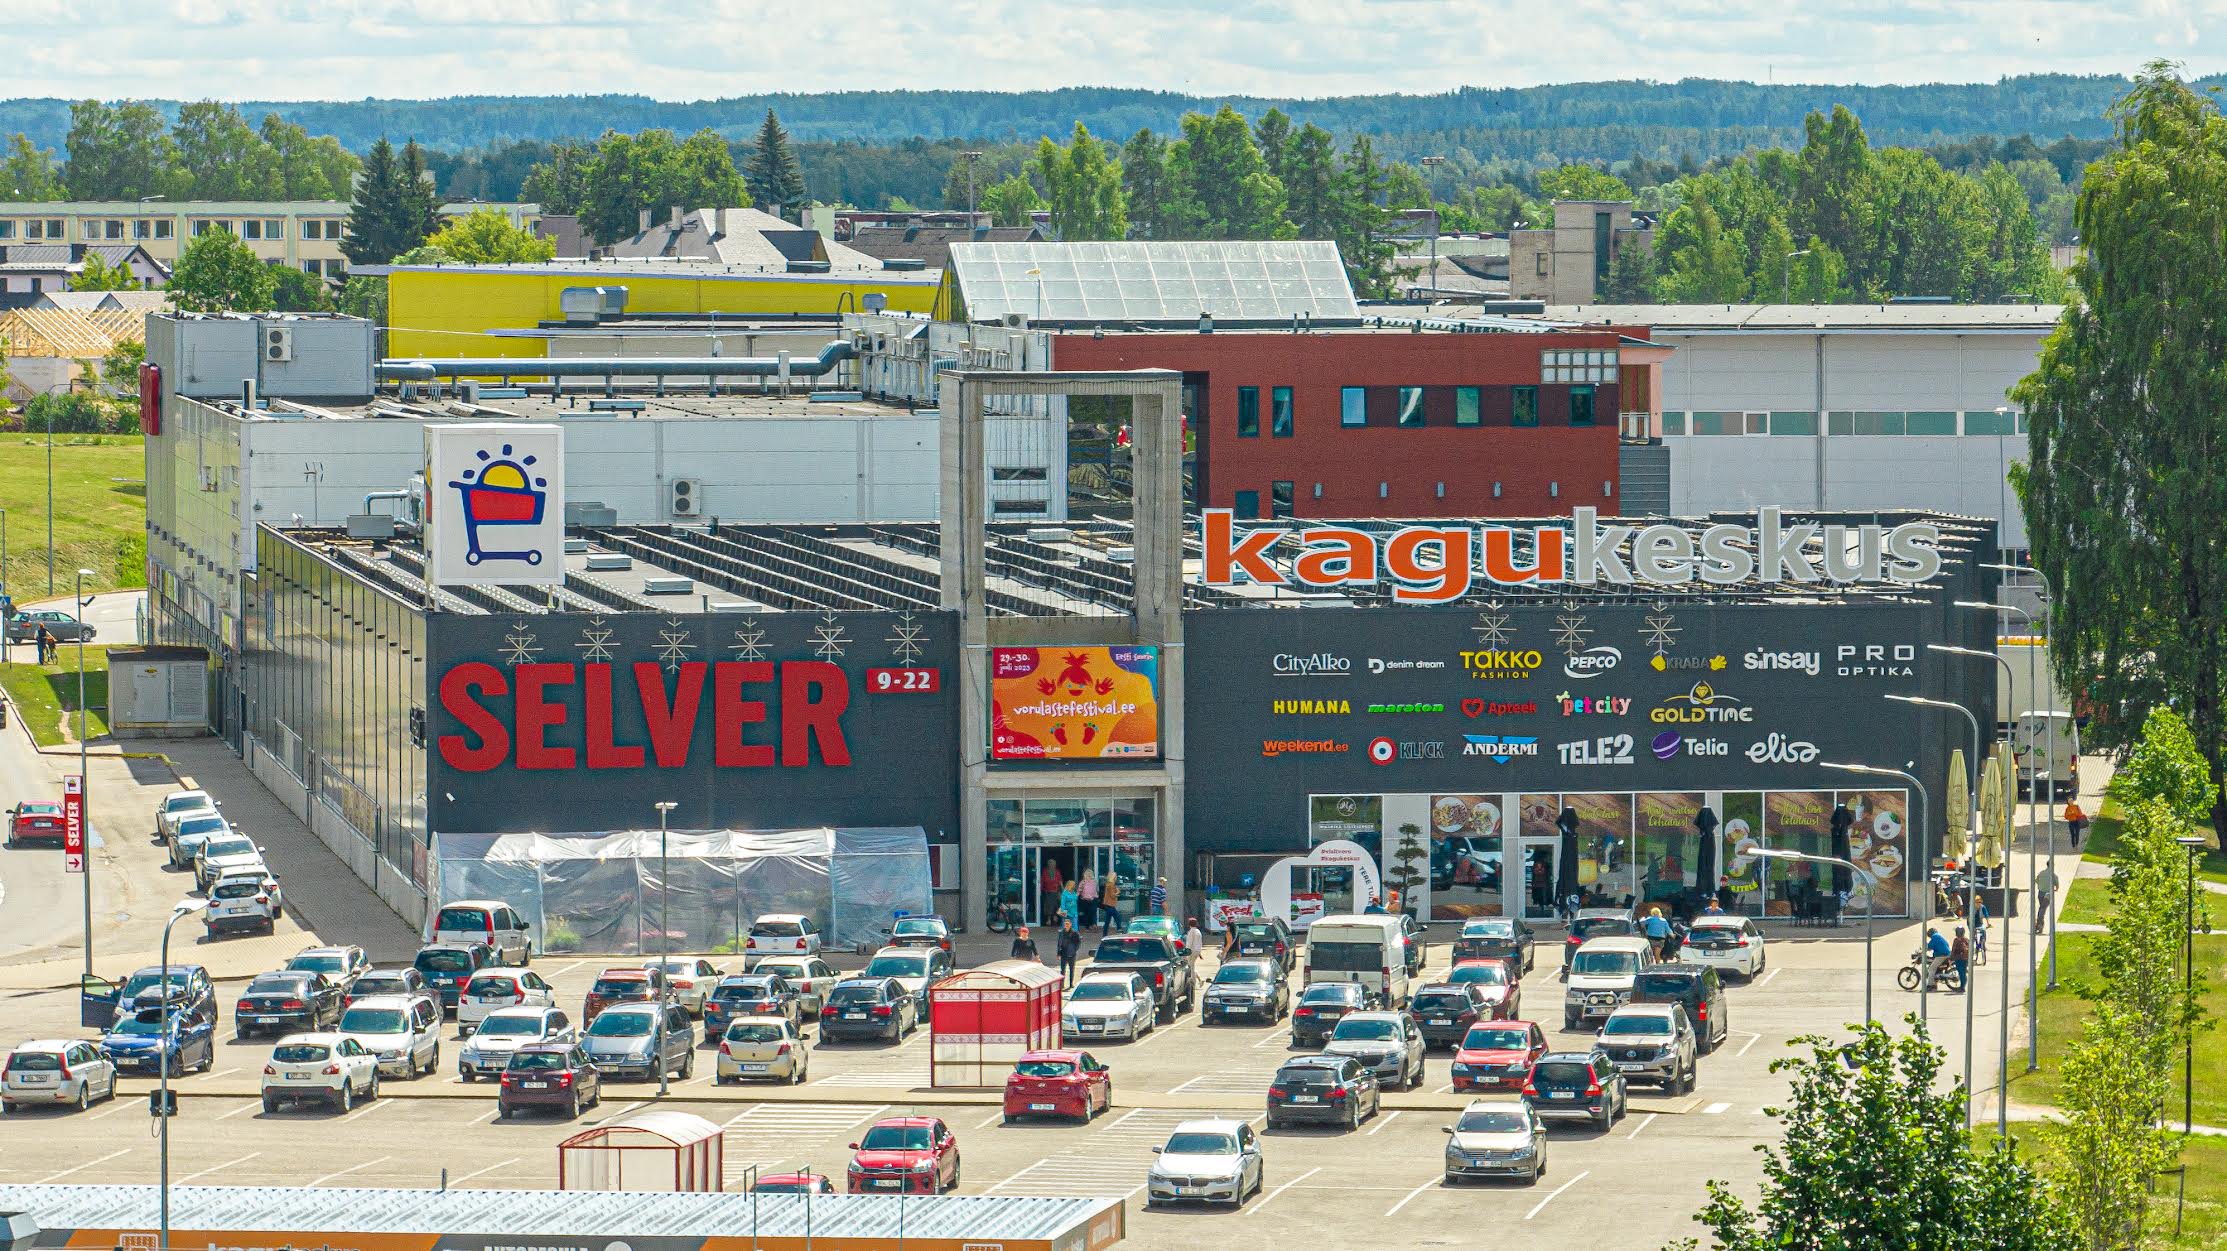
[
  {"x": 139, "y": 1042},
  {"x": 447, "y": 966}
]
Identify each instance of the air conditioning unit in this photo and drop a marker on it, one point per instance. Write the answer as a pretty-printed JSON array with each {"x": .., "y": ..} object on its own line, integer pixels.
[
  {"x": 686, "y": 495},
  {"x": 278, "y": 343}
]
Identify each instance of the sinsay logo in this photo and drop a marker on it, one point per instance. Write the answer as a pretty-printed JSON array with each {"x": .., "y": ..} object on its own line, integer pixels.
[
  {"x": 1796, "y": 662},
  {"x": 1592, "y": 662}
]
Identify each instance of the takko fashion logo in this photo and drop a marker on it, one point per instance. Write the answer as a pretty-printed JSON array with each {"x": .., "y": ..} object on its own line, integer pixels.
[{"x": 1439, "y": 564}]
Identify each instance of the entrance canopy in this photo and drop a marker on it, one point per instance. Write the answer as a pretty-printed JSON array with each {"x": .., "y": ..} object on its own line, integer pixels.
[{"x": 654, "y": 1150}]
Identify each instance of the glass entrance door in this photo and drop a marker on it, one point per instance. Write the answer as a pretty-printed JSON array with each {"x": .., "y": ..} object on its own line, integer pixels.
[{"x": 1539, "y": 867}]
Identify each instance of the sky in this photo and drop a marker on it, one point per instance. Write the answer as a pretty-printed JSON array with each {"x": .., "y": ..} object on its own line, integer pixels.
[{"x": 350, "y": 49}]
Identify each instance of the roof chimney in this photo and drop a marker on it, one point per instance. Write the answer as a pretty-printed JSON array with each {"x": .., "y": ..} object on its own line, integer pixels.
[
  {"x": 676, "y": 211},
  {"x": 645, "y": 221}
]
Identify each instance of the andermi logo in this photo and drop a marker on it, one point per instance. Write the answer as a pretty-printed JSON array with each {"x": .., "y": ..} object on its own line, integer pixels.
[{"x": 1310, "y": 707}]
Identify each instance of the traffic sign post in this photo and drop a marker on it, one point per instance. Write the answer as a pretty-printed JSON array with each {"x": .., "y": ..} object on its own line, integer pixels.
[{"x": 73, "y": 824}]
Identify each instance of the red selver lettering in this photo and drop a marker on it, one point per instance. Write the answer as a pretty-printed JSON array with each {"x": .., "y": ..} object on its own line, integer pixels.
[
  {"x": 602, "y": 752},
  {"x": 457, "y": 687},
  {"x": 731, "y": 714}
]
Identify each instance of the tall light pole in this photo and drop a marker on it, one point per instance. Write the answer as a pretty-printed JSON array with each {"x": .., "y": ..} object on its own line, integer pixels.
[
  {"x": 184, "y": 908},
  {"x": 1972, "y": 767},
  {"x": 1871, "y": 908},
  {"x": 1786, "y": 276},
  {"x": 1925, "y": 825},
  {"x": 664, "y": 938},
  {"x": 2035, "y": 744},
  {"x": 970, "y": 158},
  {"x": 2193, "y": 844},
  {"x": 2049, "y": 611},
  {"x": 50, "y": 502},
  {"x": 85, "y": 796},
  {"x": 1430, "y": 163},
  {"x": 2002, "y": 1095}
]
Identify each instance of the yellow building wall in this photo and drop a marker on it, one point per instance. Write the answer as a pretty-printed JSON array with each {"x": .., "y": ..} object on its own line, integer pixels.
[{"x": 445, "y": 313}]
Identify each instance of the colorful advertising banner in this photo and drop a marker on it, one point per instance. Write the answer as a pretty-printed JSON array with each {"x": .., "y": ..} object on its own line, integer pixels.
[
  {"x": 1074, "y": 703},
  {"x": 1879, "y": 843}
]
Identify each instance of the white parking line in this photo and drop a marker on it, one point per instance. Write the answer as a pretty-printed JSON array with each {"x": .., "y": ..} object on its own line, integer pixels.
[
  {"x": 350, "y": 1169},
  {"x": 1270, "y": 1197},
  {"x": 218, "y": 1168},
  {"x": 1752, "y": 1040},
  {"x": 1644, "y": 1122},
  {"x": 458, "y": 1181},
  {"x": 1383, "y": 1121},
  {"x": 561, "y": 969},
  {"x": 79, "y": 1168},
  {"x": 1714, "y": 1109},
  {"x": 117, "y": 1105},
  {"x": 992, "y": 1119},
  {"x": 220, "y": 1073},
  {"x": 1446, "y": 1089},
  {"x": 1557, "y": 1191},
  {"x": 1277, "y": 1037},
  {"x": 367, "y": 1109},
  {"x": 1765, "y": 980},
  {"x": 1435, "y": 1181},
  {"x": 245, "y": 1107}
]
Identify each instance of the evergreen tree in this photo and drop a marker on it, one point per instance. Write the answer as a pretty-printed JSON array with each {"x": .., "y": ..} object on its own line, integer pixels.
[
  {"x": 773, "y": 171},
  {"x": 217, "y": 273},
  {"x": 1405, "y": 187},
  {"x": 1144, "y": 184},
  {"x": 29, "y": 172},
  {"x": 393, "y": 207},
  {"x": 417, "y": 203},
  {"x": 1220, "y": 189},
  {"x": 1273, "y": 133},
  {"x": 1631, "y": 275},
  {"x": 1083, "y": 185},
  {"x": 1313, "y": 187},
  {"x": 1362, "y": 220}
]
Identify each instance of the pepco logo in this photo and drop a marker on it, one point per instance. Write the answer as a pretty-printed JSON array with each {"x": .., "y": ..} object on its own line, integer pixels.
[{"x": 1592, "y": 662}]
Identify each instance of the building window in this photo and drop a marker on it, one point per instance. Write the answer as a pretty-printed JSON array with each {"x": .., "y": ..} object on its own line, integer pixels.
[
  {"x": 1248, "y": 412},
  {"x": 1716, "y": 423},
  {"x": 1411, "y": 406},
  {"x": 1932, "y": 423},
  {"x": 1279, "y": 413},
  {"x": 1542, "y": 263},
  {"x": 333, "y": 226},
  {"x": 114, "y": 228},
  {"x": 1247, "y": 504},
  {"x": 252, "y": 228},
  {"x": 1353, "y": 406},
  {"x": 7, "y": 230},
  {"x": 54, "y": 229},
  {"x": 314, "y": 228},
  {"x": 162, "y": 229},
  {"x": 1279, "y": 499},
  {"x": 1468, "y": 406},
  {"x": 314, "y": 267},
  {"x": 1603, "y": 233},
  {"x": 200, "y": 228},
  {"x": 1591, "y": 365},
  {"x": 274, "y": 227},
  {"x": 34, "y": 229},
  {"x": 90, "y": 228},
  {"x": 1793, "y": 423},
  {"x": 1525, "y": 406},
  {"x": 1674, "y": 423},
  {"x": 140, "y": 227},
  {"x": 1581, "y": 406},
  {"x": 1991, "y": 422}
]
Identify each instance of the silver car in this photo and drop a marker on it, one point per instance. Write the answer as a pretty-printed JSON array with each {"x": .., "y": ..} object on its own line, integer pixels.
[
  {"x": 1653, "y": 1043},
  {"x": 1207, "y": 1162},
  {"x": 1109, "y": 1005},
  {"x": 228, "y": 854},
  {"x": 194, "y": 829},
  {"x": 177, "y": 806},
  {"x": 1496, "y": 1138},
  {"x": 403, "y": 1032},
  {"x": 622, "y": 1042},
  {"x": 1388, "y": 1042},
  {"x": 504, "y": 1031},
  {"x": 65, "y": 1072}
]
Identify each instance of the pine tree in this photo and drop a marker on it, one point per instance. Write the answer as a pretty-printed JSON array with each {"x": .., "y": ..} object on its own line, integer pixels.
[
  {"x": 1631, "y": 275},
  {"x": 772, "y": 171},
  {"x": 1273, "y": 133},
  {"x": 1311, "y": 183},
  {"x": 1362, "y": 219},
  {"x": 1144, "y": 183},
  {"x": 1219, "y": 187},
  {"x": 1083, "y": 184},
  {"x": 369, "y": 233}
]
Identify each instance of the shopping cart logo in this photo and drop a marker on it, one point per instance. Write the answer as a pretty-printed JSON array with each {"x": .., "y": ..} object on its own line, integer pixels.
[
  {"x": 501, "y": 490},
  {"x": 497, "y": 504}
]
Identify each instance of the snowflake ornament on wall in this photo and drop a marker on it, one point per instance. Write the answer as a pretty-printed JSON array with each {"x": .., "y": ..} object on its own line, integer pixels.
[
  {"x": 595, "y": 641},
  {"x": 750, "y": 640},
  {"x": 1570, "y": 632},
  {"x": 1661, "y": 633},
  {"x": 828, "y": 637},
  {"x": 1492, "y": 629},
  {"x": 908, "y": 640},
  {"x": 518, "y": 645},
  {"x": 673, "y": 645}
]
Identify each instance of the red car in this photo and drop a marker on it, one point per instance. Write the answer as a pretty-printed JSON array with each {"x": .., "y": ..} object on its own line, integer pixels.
[
  {"x": 1496, "y": 978},
  {"x": 1058, "y": 1083},
  {"x": 35, "y": 819},
  {"x": 905, "y": 1155},
  {"x": 1498, "y": 1055},
  {"x": 793, "y": 1184},
  {"x": 621, "y": 985}
]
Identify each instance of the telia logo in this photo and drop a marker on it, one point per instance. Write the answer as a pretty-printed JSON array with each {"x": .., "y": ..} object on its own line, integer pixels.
[{"x": 1666, "y": 744}]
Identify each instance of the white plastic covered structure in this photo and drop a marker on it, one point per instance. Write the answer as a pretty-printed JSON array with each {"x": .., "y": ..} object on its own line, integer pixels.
[{"x": 653, "y": 1150}]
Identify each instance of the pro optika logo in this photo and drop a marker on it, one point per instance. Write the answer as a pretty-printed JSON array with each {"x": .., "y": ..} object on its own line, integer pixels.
[
  {"x": 1875, "y": 660},
  {"x": 1592, "y": 662},
  {"x": 1498, "y": 747},
  {"x": 1318, "y": 665}
]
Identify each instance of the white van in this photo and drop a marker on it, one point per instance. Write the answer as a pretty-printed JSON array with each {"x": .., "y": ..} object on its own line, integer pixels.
[
  {"x": 489, "y": 921},
  {"x": 1369, "y": 949},
  {"x": 2054, "y": 765}
]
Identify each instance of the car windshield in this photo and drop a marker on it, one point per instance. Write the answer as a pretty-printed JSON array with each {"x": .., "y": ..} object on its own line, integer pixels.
[
  {"x": 1151, "y": 925},
  {"x": 374, "y": 1021},
  {"x": 855, "y": 993},
  {"x": 753, "y": 1032},
  {"x": 381, "y": 983},
  {"x": 1257, "y": 930},
  {"x": 140, "y": 1024},
  {"x": 1365, "y": 1030},
  {"x": 1704, "y": 934},
  {"x": 1342, "y": 992},
  {"x": 1494, "y": 1121},
  {"x": 918, "y": 927},
  {"x": 444, "y": 961},
  {"x": 462, "y": 919},
  {"x": 493, "y": 984},
  {"x": 1636, "y": 1023},
  {"x": 794, "y": 970},
  {"x": 1100, "y": 990},
  {"x": 1489, "y": 929},
  {"x": 202, "y": 826},
  {"x": 34, "y": 1062},
  {"x": 300, "y": 1053},
  {"x": 510, "y": 1026},
  {"x": 897, "y": 966},
  {"x": 1488, "y": 974},
  {"x": 39, "y": 808},
  {"x": 1442, "y": 1001},
  {"x": 1136, "y": 949},
  {"x": 217, "y": 847},
  {"x": 531, "y": 1061},
  {"x": 236, "y": 890},
  {"x": 146, "y": 981},
  {"x": 754, "y": 988},
  {"x": 1200, "y": 1143},
  {"x": 777, "y": 929},
  {"x": 608, "y": 986},
  {"x": 895, "y": 1138},
  {"x": 1605, "y": 963},
  {"x": 1497, "y": 1038},
  {"x": 181, "y": 803},
  {"x": 687, "y": 967},
  {"x": 277, "y": 983},
  {"x": 1044, "y": 1068},
  {"x": 1562, "y": 1071},
  {"x": 1663, "y": 985},
  {"x": 318, "y": 964},
  {"x": 1240, "y": 973},
  {"x": 1600, "y": 927},
  {"x": 622, "y": 1024}
]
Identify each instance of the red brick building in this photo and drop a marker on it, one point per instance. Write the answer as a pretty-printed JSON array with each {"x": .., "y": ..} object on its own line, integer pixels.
[{"x": 1383, "y": 422}]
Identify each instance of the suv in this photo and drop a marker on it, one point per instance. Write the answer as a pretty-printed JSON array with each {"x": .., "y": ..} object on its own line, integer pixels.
[
  {"x": 1334, "y": 1088},
  {"x": 1251, "y": 986},
  {"x": 324, "y": 1067},
  {"x": 449, "y": 966},
  {"x": 915, "y": 969},
  {"x": 1267, "y": 938},
  {"x": 1601, "y": 975},
  {"x": 342, "y": 964},
  {"x": 403, "y": 1031},
  {"x": 549, "y": 1075},
  {"x": 189, "y": 990},
  {"x": 249, "y": 901},
  {"x": 1387, "y": 1042},
  {"x": 868, "y": 1007},
  {"x": 1695, "y": 987},
  {"x": 1498, "y": 1055},
  {"x": 1508, "y": 938},
  {"x": 621, "y": 985},
  {"x": 1577, "y": 1085},
  {"x": 1444, "y": 1011},
  {"x": 225, "y": 855},
  {"x": 506, "y": 1032},
  {"x": 191, "y": 830},
  {"x": 489, "y": 922},
  {"x": 905, "y": 1155},
  {"x": 1591, "y": 923},
  {"x": 1322, "y": 1006},
  {"x": 24, "y": 626},
  {"x": 1160, "y": 958},
  {"x": 1653, "y": 1043}
]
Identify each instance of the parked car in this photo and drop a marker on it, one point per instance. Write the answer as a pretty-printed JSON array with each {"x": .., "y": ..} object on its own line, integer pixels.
[
  {"x": 289, "y": 1001},
  {"x": 491, "y": 923},
  {"x": 177, "y": 806},
  {"x": 1582, "y": 1085},
  {"x": 1496, "y": 1138},
  {"x": 915, "y": 969},
  {"x": 1600, "y": 977},
  {"x": 1444, "y": 1011},
  {"x": 1159, "y": 957},
  {"x": 1267, "y": 938},
  {"x": 1320, "y": 1008},
  {"x": 549, "y": 1075},
  {"x": 867, "y": 1007},
  {"x": 1388, "y": 1042},
  {"x": 1250, "y": 987},
  {"x": 1057, "y": 1083},
  {"x": 1653, "y": 1043},
  {"x": 1415, "y": 944},
  {"x": 149, "y": 1038},
  {"x": 792, "y": 1184},
  {"x": 905, "y": 1155},
  {"x": 921, "y": 931},
  {"x": 326, "y": 1068},
  {"x": 1498, "y": 1055},
  {"x": 1109, "y": 1005},
  {"x": 620, "y": 985},
  {"x": 761, "y": 1048},
  {"x": 193, "y": 830},
  {"x": 1596, "y": 923},
  {"x": 224, "y": 854},
  {"x": 244, "y": 901},
  {"x": 502, "y": 1032},
  {"x": 1337, "y": 1089},
  {"x": 1694, "y": 987},
  {"x": 492, "y": 990},
  {"x": 187, "y": 986},
  {"x": 809, "y": 976},
  {"x": 688, "y": 980},
  {"x": 1508, "y": 938},
  {"x": 404, "y": 1032},
  {"x": 782, "y": 934},
  {"x": 1206, "y": 1161},
  {"x": 62, "y": 1072},
  {"x": 749, "y": 994},
  {"x": 623, "y": 1041},
  {"x": 24, "y": 627},
  {"x": 448, "y": 969},
  {"x": 1157, "y": 926},
  {"x": 1495, "y": 978},
  {"x": 1460, "y": 860},
  {"x": 406, "y": 980},
  {"x": 35, "y": 820},
  {"x": 342, "y": 964},
  {"x": 1731, "y": 945}
]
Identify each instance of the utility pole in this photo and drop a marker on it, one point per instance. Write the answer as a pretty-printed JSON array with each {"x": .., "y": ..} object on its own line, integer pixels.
[
  {"x": 970, "y": 158},
  {"x": 664, "y": 940}
]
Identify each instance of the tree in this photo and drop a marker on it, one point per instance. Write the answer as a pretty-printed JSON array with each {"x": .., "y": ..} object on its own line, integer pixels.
[
  {"x": 1404, "y": 187},
  {"x": 1083, "y": 186},
  {"x": 2126, "y": 413},
  {"x": 66, "y": 412},
  {"x": 1010, "y": 202},
  {"x": 1313, "y": 196},
  {"x": 1875, "y": 1155},
  {"x": 1220, "y": 189},
  {"x": 2166, "y": 765},
  {"x": 29, "y": 172},
  {"x": 119, "y": 369},
  {"x": 560, "y": 184},
  {"x": 217, "y": 273},
  {"x": 298, "y": 291},
  {"x": 1702, "y": 262},
  {"x": 486, "y": 237},
  {"x": 365, "y": 296},
  {"x": 1144, "y": 183},
  {"x": 308, "y": 168},
  {"x": 1273, "y": 133},
  {"x": 2109, "y": 1146},
  {"x": 1631, "y": 275},
  {"x": 2138, "y": 957},
  {"x": 773, "y": 172},
  {"x": 222, "y": 157},
  {"x": 119, "y": 152},
  {"x": 1833, "y": 181},
  {"x": 1405, "y": 875},
  {"x": 652, "y": 171},
  {"x": 393, "y": 207},
  {"x": 1361, "y": 222},
  {"x": 99, "y": 275}
]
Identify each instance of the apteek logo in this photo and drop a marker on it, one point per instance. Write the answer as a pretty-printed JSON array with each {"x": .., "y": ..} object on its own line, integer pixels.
[
  {"x": 1497, "y": 708},
  {"x": 1498, "y": 747},
  {"x": 1592, "y": 662}
]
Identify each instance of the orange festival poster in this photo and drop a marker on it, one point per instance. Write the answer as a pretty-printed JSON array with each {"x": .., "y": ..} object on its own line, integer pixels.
[{"x": 1074, "y": 703}]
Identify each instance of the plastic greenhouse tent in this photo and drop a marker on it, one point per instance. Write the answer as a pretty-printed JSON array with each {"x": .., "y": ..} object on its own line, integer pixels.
[{"x": 600, "y": 892}]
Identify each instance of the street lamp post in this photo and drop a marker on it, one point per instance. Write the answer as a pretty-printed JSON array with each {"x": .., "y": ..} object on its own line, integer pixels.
[
  {"x": 1972, "y": 768},
  {"x": 970, "y": 158},
  {"x": 2002, "y": 1075},
  {"x": 2047, "y": 734},
  {"x": 184, "y": 908},
  {"x": 1871, "y": 907},
  {"x": 1430, "y": 163},
  {"x": 1786, "y": 277},
  {"x": 2192, "y": 844},
  {"x": 1925, "y": 826},
  {"x": 664, "y": 939},
  {"x": 2049, "y": 611},
  {"x": 85, "y": 797}
]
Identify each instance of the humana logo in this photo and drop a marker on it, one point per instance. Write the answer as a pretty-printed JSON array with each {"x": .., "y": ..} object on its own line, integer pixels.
[{"x": 1309, "y": 707}]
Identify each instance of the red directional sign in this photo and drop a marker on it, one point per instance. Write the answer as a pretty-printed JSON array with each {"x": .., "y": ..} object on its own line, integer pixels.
[{"x": 73, "y": 824}]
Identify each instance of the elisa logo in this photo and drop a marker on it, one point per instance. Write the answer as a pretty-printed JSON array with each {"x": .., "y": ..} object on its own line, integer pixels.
[
  {"x": 1777, "y": 748},
  {"x": 1498, "y": 747},
  {"x": 1592, "y": 662}
]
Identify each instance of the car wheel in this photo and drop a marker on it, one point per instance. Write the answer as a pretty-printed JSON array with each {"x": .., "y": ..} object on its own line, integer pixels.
[
  {"x": 270, "y": 1104},
  {"x": 372, "y": 1093},
  {"x": 1606, "y": 1119},
  {"x": 84, "y": 1095},
  {"x": 464, "y": 1074},
  {"x": 1569, "y": 1020},
  {"x": 346, "y": 1098},
  {"x": 503, "y": 1111},
  {"x": 572, "y": 1110},
  {"x": 1353, "y": 1118},
  {"x": 687, "y": 1066}
]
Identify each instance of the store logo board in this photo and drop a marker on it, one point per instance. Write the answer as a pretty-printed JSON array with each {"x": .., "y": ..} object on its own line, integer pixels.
[
  {"x": 495, "y": 504},
  {"x": 1074, "y": 703},
  {"x": 73, "y": 824}
]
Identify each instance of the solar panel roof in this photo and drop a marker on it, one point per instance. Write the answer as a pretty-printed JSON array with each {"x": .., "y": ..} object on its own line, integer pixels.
[{"x": 1146, "y": 281}]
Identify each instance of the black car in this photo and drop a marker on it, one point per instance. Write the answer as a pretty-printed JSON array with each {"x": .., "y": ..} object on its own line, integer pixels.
[
  {"x": 748, "y": 994},
  {"x": 1444, "y": 1011},
  {"x": 1320, "y": 1008},
  {"x": 288, "y": 1001},
  {"x": 1596, "y": 923},
  {"x": 867, "y": 1007},
  {"x": 1267, "y": 938},
  {"x": 1251, "y": 987},
  {"x": 1506, "y": 938},
  {"x": 1577, "y": 1085},
  {"x": 1697, "y": 988},
  {"x": 1338, "y": 1090},
  {"x": 447, "y": 966}
]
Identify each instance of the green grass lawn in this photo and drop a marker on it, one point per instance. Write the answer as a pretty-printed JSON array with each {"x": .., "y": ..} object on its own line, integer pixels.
[
  {"x": 2062, "y": 1011},
  {"x": 2103, "y": 839},
  {"x": 2088, "y": 902},
  {"x": 100, "y": 512},
  {"x": 42, "y": 694}
]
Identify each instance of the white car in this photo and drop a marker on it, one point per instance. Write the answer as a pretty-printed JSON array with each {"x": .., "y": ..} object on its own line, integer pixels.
[
  {"x": 1206, "y": 1161},
  {"x": 177, "y": 806},
  {"x": 1496, "y": 1138},
  {"x": 503, "y": 1031},
  {"x": 689, "y": 978},
  {"x": 811, "y": 977},
  {"x": 492, "y": 990},
  {"x": 403, "y": 1031},
  {"x": 225, "y": 855},
  {"x": 244, "y": 900},
  {"x": 56, "y": 1073},
  {"x": 782, "y": 934},
  {"x": 1109, "y": 1005},
  {"x": 326, "y": 1068},
  {"x": 194, "y": 829},
  {"x": 1731, "y": 944}
]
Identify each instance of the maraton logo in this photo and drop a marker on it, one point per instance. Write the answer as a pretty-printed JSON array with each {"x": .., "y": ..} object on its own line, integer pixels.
[
  {"x": 1379, "y": 666},
  {"x": 1308, "y": 707},
  {"x": 1704, "y": 704},
  {"x": 1776, "y": 748},
  {"x": 1495, "y": 708},
  {"x": 1301, "y": 747},
  {"x": 1783, "y": 662},
  {"x": 1670, "y": 744},
  {"x": 1592, "y": 662},
  {"x": 1406, "y": 707},
  {"x": 1609, "y": 749},
  {"x": 1502, "y": 748},
  {"x": 1319, "y": 665},
  {"x": 1875, "y": 660},
  {"x": 1502, "y": 663},
  {"x": 1664, "y": 664},
  {"x": 1593, "y": 705}
]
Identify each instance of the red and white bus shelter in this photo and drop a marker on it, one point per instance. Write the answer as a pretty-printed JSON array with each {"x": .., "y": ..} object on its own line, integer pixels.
[{"x": 981, "y": 1021}]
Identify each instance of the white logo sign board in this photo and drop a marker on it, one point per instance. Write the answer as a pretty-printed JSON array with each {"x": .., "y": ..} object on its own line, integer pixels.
[{"x": 495, "y": 504}]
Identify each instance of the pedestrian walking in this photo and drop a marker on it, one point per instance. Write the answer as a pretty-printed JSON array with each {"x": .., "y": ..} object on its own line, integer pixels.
[
  {"x": 1109, "y": 904},
  {"x": 1657, "y": 930},
  {"x": 1048, "y": 885},
  {"x": 1070, "y": 946},
  {"x": 2076, "y": 821},
  {"x": 1070, "y": 903},
  {"x": 1024, "y": 947},
  {"x": 1194, "y": 941},
  {"x": 1159, "y": 898},
  {"x": 1979, "y": 930},
  {"x": 47, "y": 646},
  {"x": 2045, "y": 896},
  {"x": 1960, "y": 953},
  {"x": 1086, "y": 896}
]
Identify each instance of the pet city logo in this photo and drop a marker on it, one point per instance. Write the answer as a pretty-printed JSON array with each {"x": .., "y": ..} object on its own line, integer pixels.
[
  {"x": 1381, "y": 666},
  {"x": 1782, "y": 662},
  {"x": 1664, "y": 664},
  {"x": 1383, "y": 751},
  {"x": 1502, "y": 663},
  {"x": 1875, "y": 660},
  {"x": 1318, "y": 665},
  {"x": 1593, "y": 705},
  {"x": 1592, "y": 662},
  {"x": 1498, "y": 747},
  {"x": 1704, "y": 704},
  {"x": 1474, "y": 708},
  {"x": 1402, "y": 708},
  {"x": 1670, "y": 744},
  {"x": 1777, "y": 748},
  {"x": 502, "y": 490},
  {"x": 1309, "y": 707}
]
